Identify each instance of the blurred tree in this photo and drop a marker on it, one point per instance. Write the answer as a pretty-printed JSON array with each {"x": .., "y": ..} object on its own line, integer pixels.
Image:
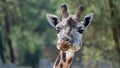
[
  {"x": 114, "y": 11},
  {"x": 24, "y": 24},
  {"x": 31, "y": 58},
  {"x": 1, "y": 50},
  {"x": 8, "y": 31}
]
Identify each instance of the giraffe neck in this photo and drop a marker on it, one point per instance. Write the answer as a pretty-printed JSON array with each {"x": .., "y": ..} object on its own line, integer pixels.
[{"x": 64, "y": 59}]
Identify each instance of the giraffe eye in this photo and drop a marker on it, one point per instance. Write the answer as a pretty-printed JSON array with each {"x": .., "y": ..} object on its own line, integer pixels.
[
  {"x": 57, "y": 29},
  {"x": 80, "y": 30}
]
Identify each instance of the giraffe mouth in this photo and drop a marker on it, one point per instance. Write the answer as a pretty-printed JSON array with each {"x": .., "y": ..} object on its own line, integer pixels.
[{"x": 64, "y": 46}]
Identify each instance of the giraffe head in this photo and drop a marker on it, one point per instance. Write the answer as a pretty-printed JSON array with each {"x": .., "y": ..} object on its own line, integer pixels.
[{"x": 70, "y": 29}]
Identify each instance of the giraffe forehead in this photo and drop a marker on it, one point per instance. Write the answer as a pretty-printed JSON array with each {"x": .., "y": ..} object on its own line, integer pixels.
[
  {"x": 71, "y": 21},
  {"x": 76, "y": 19}
]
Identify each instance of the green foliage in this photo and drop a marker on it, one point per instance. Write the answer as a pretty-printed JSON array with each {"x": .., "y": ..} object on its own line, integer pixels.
[
  {"x": 31, "y": 56},
  {"x": 30, "y": 30}
]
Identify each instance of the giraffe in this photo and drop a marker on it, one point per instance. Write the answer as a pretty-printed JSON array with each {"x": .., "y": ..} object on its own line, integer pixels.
[{"x": 69, "y": 31}]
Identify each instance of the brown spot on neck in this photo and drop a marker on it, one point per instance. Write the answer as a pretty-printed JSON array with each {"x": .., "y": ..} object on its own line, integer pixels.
[
  {"x": 64, "y": 56},
  {"x": 69, "y": 60},
  {"x": 57, "y": 61},
  {"x": 61, "y": 65}
]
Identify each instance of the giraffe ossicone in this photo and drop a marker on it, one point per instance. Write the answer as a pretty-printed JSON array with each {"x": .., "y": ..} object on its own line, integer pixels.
[{"x": 69, "y": 31}]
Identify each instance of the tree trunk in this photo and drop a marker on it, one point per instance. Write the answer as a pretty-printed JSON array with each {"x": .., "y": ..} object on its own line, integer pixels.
[
  {"x": 1, "y": 50},
  {"x": 8, "y": 40},
  {"x": 7, "y": 32},
  {"x": 115, "y": 28}
]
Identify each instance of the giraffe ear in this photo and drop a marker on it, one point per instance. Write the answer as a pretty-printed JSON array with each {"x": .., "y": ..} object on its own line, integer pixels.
[
  {"x": 52, "y": 19},
  {"x": 87, "y": 20}
]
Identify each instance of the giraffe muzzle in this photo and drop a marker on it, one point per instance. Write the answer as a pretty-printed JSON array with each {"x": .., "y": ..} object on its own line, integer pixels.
[{"x": 64, "y": 46}]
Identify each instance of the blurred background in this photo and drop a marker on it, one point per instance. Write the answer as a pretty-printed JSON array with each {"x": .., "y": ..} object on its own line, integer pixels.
[{"x": 28, "y": 41}]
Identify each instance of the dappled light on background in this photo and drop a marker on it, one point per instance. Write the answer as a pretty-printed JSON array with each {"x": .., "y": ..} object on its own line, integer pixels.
[{"x": 27, "y": 40}]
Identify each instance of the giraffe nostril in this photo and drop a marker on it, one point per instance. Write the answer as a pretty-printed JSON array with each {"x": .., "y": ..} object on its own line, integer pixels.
[{"x": 66, "y": 39}]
